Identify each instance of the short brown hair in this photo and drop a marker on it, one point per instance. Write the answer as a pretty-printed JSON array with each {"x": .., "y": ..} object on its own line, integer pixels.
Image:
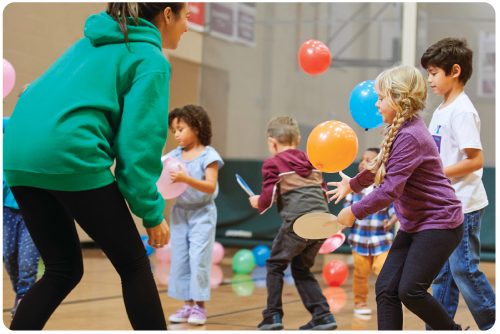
[
  {"x": 196, "y": 118},
  {"x": 448, "y": 52},
  {"x": 284, "y": 129}
]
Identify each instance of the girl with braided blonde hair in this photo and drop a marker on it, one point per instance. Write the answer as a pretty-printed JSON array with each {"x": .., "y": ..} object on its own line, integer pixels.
[
  {"x": 406, "y": 97},
  {"x": 408, "y": 171}
]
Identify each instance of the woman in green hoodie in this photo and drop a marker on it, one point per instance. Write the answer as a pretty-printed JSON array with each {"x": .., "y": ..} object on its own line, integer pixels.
[{"x": 104, "y": 100}]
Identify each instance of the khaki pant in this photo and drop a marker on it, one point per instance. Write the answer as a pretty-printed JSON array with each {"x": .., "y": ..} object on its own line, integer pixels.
[{"x": 363, "y": 266}]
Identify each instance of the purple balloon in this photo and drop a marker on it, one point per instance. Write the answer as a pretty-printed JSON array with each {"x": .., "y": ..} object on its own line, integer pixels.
[
  {"x": 165, "y": 186},
  {"x": 9, "y": 77}
]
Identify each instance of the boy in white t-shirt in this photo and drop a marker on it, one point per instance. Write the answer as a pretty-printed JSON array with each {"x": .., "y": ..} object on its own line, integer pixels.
[{"x": 455, "y": 126}]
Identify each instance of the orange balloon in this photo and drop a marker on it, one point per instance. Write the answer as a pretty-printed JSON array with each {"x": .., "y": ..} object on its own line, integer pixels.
[
  {"x": 332, "y": 146},
  {"x": 314, "y": 57}
]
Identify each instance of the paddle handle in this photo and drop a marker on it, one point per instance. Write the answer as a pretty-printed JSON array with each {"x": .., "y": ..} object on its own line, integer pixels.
[{"x": 330, "y": 222}]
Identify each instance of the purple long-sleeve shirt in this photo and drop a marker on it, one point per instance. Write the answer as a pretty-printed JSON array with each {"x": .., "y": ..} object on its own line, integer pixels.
[{"x": 414, "y": 181}]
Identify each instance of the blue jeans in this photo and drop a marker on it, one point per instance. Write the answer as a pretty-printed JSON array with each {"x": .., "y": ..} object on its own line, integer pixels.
[
  {"x": 19, "y": 252},
  {"x": 460, "y": 274}
]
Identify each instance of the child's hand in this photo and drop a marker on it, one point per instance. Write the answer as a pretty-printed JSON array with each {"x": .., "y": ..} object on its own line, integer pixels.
[
  {"x": 346, "y": 217},
  {"x": 343, "y": 228},
  {"x": 389, "y": 223},
  {"x": 254, "y": 201},
  {"x": 179, "y": 176},
  {"x": 343, "y": 188}
]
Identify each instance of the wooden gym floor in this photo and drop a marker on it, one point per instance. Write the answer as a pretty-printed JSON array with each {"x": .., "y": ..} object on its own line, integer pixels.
[{"x": 97, "y": 304}]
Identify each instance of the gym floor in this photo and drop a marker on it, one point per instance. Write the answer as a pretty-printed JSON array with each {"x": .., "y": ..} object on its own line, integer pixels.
[{"x": 236, "y": 304}]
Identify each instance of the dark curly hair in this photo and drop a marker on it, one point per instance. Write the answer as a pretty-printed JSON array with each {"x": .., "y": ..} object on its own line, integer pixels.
[
  {"x": 196, "y": 118},
  {"x": 448, "y": 52}
]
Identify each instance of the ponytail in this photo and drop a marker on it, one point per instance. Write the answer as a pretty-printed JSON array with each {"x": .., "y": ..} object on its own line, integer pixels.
[{"x": 122, "y": 12}]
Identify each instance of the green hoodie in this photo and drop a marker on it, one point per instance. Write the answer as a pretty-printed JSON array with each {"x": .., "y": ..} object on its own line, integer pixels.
[{"x": 99, "y": 101}]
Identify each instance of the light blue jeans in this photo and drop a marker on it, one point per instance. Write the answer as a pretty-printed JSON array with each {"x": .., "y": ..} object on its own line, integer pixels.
[
  {"x": 460, "y": 274},
  {"x": 192, "y": 236}
]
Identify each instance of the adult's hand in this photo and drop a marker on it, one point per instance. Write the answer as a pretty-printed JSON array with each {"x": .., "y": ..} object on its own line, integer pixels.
[
  {"x": 158, "y": 235},
  {"x": 343, "y": 188}
]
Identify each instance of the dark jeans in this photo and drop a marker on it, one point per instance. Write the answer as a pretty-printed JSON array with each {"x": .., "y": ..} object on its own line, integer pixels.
[
  {"x": 289, "y": 247},
  {"x": 414, "y": 260},
  {"x": 102, "y": 213},
  {"x": 461, "y": 274}
]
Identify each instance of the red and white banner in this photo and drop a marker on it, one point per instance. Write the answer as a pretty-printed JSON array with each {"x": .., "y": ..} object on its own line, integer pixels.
[{"x": 197, "y": 16}]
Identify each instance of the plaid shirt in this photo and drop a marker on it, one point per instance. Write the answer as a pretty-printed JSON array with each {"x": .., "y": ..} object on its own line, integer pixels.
[{"x": 367, "y": 236}]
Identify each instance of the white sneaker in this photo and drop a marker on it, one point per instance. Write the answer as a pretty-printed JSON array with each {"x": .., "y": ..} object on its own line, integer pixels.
[{"x": 362, "y": 308}]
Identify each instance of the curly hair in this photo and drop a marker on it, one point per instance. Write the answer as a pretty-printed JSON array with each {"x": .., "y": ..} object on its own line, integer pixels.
[{"x": 196, "y": 118}]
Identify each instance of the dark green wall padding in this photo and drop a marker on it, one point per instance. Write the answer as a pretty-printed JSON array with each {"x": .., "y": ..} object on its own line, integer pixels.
[{"x": 240, "y": 225}]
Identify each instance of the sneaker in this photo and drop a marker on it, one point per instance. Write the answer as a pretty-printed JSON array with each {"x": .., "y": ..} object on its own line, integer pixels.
[
  {"x": 198, "y": 315},
  {"x": 181, "y": 315},
  {"x": 363, "y": 316},
  {"x": 325, "y": 323},
  {"x": 272, "y": 323},
  {"x": 14, "y": 309},
  {"x": 362, "y": 308}
]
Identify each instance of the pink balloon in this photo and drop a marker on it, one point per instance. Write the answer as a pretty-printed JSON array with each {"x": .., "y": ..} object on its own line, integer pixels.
[
  {"x": 165, "y": 186},
  {"x": 9, "y": 77},
  {"x": 164, "y": 254},
  {"x": 216, "y": 276},
  {"x": 332, "y": 243},
  {"x": 218, "y": 253},
  {"x": 162, "y": 272}
]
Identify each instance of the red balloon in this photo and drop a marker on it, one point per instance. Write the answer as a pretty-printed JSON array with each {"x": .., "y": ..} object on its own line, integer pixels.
[
  {"x": 335, "y": 273},
  {"x": 314, "y": 57}
]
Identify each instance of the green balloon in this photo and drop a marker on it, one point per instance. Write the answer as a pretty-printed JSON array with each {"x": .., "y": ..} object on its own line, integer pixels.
[
  {"x": 243, "y": 261},
  {"x": 41, "y": 268},
  {"x": 242, "y": 284}
]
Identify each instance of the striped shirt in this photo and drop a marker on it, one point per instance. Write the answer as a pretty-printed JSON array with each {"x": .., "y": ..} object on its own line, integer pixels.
[{"x": 367, "y": 236}]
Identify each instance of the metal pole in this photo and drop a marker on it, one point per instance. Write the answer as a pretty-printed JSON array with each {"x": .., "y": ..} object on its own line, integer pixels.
[{"x": 409, "y": 37}]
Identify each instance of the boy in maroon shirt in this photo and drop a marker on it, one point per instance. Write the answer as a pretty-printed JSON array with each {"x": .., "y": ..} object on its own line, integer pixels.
[{"x": 299, "y": 189}]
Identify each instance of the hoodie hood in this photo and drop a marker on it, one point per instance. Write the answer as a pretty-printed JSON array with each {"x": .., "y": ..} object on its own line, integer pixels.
[
  {"x": 297, "y": 160},
  {"x": 103, "y": 29}
]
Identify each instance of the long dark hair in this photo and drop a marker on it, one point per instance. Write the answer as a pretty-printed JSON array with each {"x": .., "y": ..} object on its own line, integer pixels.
[{"x": 121, "y": 11}]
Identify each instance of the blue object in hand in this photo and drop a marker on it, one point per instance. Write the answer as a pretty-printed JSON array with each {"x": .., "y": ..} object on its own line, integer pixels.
[
  {"x": 244, "y": 185},
  {"x": 149, "y": 250},
  {"x": 362, "y": 105},
  {"x": 261, "y": 254}
]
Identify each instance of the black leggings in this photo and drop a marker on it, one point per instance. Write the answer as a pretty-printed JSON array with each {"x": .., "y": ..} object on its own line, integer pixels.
[
  {"x": 104, "y": 215},
  {"x": 414, "y": 260}
]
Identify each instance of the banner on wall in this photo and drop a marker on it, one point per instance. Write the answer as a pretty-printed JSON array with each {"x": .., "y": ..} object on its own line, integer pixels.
[
  {"x": 233, "y": 22},
  {"x": 486, "y": 66},
  {"x": 245, "y": 23},
  {"x": 196, "y": 19}
]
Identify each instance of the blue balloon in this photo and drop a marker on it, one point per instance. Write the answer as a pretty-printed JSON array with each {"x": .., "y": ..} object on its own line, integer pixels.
[
  {"x": 261, "y": 254},
  {"x": 150, "y": 250},
  {"x": 362, "y": 105}
]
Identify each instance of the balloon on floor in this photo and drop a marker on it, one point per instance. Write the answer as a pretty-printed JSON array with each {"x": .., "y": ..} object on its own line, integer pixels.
[
  {"x": 162, "y": 272},
  {"x": 164, "y": 254},
  {"x": 362, "y": 105},
  {"x": 261, "y": 254},
  {"x": 149, "y": 250},
  {"x": 243, "y": 261},
  {"x": 332, "y": 146},
  {"x": 335, "y": 273},
  {"x": 218, "y": 253}
]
